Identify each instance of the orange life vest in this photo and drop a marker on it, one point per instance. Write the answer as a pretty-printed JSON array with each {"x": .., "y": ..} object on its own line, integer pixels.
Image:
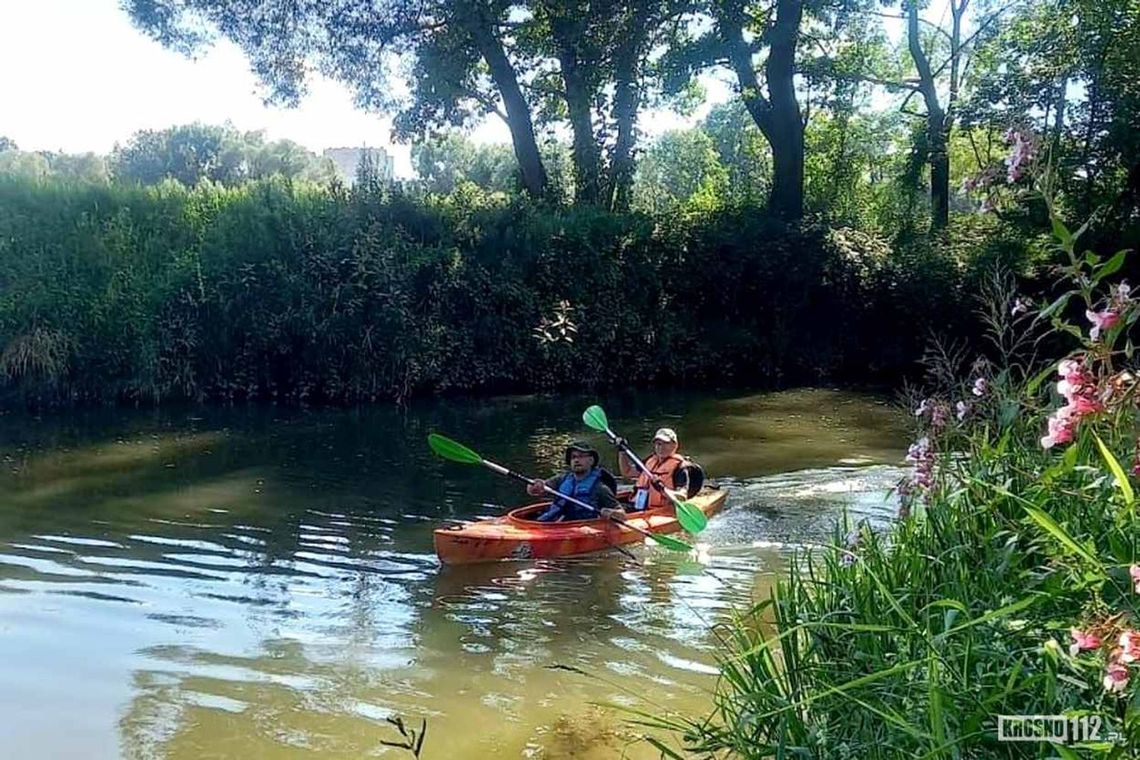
[{"x": 664, "y": 469}]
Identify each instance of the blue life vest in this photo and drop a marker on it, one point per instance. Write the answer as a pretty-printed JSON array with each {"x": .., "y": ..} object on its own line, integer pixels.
[{"x": 582, "y": 490}]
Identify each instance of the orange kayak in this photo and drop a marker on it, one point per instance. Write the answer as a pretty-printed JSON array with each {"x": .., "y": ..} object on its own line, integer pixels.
[{"x": 514, "y": 536}]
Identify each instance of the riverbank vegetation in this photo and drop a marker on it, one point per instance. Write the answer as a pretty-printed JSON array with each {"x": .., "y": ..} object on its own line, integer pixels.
[
  {"x": 1010, "y": 586},
  {"x": 801, "y": 232}
]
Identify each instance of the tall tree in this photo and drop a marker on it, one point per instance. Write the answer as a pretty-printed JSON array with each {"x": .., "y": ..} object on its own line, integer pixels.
[
  {"x": 462, "y": 64},
  {"x": 742, "y": 30},
  {"x": 955, "y": 47},
  {"x": 1067, "y": 69}
]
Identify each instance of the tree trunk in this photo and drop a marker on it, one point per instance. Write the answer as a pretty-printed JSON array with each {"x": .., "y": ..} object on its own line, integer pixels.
[
  {"x": 579, "y": 102},
  {"x": 939, "y": 172},
  {"x": 627, "y": 100},
  {"x": 778, "y": 116},
  {"x": 787, "y": 200},
  {"x": 936, "y": 125},
  {"x": 518, "y": 110}
]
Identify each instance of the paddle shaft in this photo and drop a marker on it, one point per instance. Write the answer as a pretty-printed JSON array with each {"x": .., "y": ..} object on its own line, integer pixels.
[{"x": 519, "y": 476}]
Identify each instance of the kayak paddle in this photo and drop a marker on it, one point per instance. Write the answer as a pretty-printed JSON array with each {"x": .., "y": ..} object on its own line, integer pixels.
[
  {"x": 457, "y": 452},
  {"x": 689, "y": 514}
]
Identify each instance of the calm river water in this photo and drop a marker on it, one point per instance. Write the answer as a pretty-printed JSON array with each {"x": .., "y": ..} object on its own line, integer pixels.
[{"x": 260, "y": 583}]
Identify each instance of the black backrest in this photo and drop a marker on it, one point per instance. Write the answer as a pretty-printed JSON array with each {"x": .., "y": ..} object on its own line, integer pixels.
[
  {"x": 607, "y": 477},
  {"x": 696, "y": 475}
]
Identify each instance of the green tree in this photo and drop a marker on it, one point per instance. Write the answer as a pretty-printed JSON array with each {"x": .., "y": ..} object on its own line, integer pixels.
[
  {"x": 681, "y": 167},
  {"x": 462, "y": 66},
  {"x": 189, "y": 154},
  {"x": 1067, "y": 69},
  {"x": 734, "y": 33},
  {"x": 196, "y": 152},
  {"x": 23, "y": 164},
  {"x": 7, "y": 144},
  {"x": 742, "y": 150},
  {"x": 444, "y": 162}
]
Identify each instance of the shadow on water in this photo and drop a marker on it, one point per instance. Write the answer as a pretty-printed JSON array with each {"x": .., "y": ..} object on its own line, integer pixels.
[{"x": 261, "y": 582}]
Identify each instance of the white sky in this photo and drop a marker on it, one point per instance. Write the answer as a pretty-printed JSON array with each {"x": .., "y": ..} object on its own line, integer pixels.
[{"x": 77, "y": 76}]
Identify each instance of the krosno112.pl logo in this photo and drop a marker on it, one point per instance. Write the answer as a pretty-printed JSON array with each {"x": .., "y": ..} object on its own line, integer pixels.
[{"x": 1055, "y": 729}]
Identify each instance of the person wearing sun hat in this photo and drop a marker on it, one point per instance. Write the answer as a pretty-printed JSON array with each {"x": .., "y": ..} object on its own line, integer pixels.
[
  {"x": 586, "y": 481},
  {"x": 666, "y": 471}
]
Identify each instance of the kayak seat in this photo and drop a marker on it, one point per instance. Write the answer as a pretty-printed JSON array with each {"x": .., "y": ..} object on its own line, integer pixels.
[
  {"x": 696, "y": 475},
  {"x": 608, "y": 478}
]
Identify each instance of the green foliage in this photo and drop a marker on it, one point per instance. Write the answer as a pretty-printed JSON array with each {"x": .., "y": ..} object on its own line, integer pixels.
[
  {"x": 682, "y": 168},
  {"x": 298, "y": 293},
  {"x": 198, "y": 152},
  {"x": 911, "y": 643},
  {"x": 444, "y": 162}
]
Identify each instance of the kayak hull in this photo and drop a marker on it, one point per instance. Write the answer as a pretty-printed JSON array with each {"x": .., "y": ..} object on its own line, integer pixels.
[{"x": 514, "y": 537}]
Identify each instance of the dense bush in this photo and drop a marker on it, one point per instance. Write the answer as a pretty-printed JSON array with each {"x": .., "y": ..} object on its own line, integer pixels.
[
  {"x": 297, "y": 293},
  {"x": 1010, "y": 585}
]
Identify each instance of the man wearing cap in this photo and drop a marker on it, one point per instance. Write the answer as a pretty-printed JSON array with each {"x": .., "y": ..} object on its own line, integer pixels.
[
  {"x": 666, "y": 471},
  {"x": 586, "y": 481}
]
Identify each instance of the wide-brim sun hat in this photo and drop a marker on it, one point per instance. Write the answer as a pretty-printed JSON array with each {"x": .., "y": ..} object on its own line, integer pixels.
[{"x": 583, "y": 447}]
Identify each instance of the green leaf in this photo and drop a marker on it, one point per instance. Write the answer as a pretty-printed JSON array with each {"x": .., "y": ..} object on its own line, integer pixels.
[
  {"x": 1117, "y": 472},
  {"x": 1061, "y": 232},
  {"x": 1111, "y": 266},
  {"x": 1001, "y": 612},
  {"x": 1032, "y": 386},
  {"x": 1055, "y": 530},
  {"x": 664, "y": 750},
  {"x": 1056, "y": 306}
]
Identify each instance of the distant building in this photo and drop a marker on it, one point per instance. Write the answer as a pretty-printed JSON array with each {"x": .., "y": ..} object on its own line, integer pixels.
[{"x": 348, "y": 159}]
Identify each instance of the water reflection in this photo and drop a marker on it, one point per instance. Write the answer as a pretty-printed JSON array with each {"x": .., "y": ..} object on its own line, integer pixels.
[{"x": 261, "y": 583}]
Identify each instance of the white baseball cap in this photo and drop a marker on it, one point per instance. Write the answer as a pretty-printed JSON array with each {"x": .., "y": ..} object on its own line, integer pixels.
[{"x": 669, "y": 435}]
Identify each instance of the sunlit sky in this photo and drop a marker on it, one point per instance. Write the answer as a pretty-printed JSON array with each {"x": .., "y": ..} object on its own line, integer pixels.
[{"x": 77, "y": 76}]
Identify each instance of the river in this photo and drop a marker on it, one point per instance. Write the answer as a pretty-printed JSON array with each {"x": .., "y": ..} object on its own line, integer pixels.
[{"x": 258, "y": 582}]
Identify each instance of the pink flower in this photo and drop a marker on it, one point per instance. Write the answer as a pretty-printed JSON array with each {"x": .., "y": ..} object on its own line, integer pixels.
[
  {"x": 1082, "y": 641},
  {"x": 1101, "y": 321},
  {"x": 1021, "y": 154},
  {"x": 1068, "y": 367},
  {"x": 1115, "y": 677},
  {"x": 921, "y": 455},
  {"x": 938, "y": 414},
  {"x": 1078, "y": 388},
  {"x": 923, "y": 408},
  {"x": 980, "y": 387},
  {"x": 962, "y": 409},
  {"x": 1020, "y": 306},
  {"x": 1061, "y": 428},
  {"x": 1134, "y": 571},
  {"x": 1083, "y": 406},
  {"x": 1130, "y": 646}
]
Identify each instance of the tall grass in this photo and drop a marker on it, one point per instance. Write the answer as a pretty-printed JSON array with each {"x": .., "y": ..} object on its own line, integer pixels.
[
  {"x": 284, "y": 291},
  {"x": 1009, "y": 586}
]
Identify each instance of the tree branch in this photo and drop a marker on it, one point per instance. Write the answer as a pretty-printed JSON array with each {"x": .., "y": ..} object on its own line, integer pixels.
[
  {"x": 906, "y": 84},
  {"x": 931, "y": 24},
  {"x": 490, "y": 105}
]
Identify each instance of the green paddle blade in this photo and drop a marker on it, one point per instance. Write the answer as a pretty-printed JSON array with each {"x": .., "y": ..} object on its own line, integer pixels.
[
  {"x": 595, "y": 418},
  {"x": 691, "y": 517},
  {"x": 669, "y": 542},
  {"x": 449, "y": 449}
]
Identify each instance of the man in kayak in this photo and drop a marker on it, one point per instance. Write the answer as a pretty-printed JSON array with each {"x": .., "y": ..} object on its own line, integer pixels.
[
  {"x": 586, "y": 481},
  {"x": 666, "y": 471}
]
